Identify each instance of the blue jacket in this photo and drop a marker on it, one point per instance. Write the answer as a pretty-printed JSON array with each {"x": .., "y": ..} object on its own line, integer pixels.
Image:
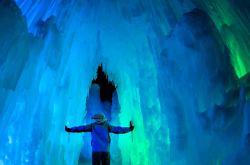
[{"x": 100, "y": 134}]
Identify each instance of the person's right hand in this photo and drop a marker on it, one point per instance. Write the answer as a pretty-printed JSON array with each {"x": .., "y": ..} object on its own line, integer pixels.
[
  {"x": 131, "y": 126},
  {"x": 67, "y": 129}
]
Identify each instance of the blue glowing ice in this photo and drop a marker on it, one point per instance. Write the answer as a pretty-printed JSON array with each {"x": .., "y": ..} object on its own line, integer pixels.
[{"x": 170, "y": 64}]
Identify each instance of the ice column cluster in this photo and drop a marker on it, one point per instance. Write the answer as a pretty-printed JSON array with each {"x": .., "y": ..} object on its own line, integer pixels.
[{"x": 181, "y": 70}]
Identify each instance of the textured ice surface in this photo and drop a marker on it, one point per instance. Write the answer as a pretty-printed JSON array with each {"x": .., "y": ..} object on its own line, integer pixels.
[{"x": 181, "y": 74}]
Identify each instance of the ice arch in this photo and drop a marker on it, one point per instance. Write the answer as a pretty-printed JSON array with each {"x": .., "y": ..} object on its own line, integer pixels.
[
  {"x": 179, "y": 70},
  {"x": 102, "y": 98}
]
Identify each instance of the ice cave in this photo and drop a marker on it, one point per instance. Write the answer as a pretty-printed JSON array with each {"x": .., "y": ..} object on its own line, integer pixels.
[{"x": 179, "y": 69}]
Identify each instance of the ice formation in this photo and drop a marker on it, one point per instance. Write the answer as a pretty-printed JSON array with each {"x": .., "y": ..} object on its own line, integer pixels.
[{"x": 181, "y": 68}]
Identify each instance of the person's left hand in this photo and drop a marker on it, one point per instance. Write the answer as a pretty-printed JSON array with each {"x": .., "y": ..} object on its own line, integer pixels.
[{"x": 131, "y": 126}]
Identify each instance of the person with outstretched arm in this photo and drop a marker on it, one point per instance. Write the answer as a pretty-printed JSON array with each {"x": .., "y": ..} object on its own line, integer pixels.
[{"x": 100, "y": 142}]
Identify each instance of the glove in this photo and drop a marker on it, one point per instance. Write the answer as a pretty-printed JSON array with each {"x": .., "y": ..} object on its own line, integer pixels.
[
  {"x": 131, "y": 126},
  {"x": 67, "y": 129}
]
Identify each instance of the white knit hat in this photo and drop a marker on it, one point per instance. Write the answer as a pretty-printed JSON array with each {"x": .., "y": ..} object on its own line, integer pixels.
[{"x": 100, "y": 117}]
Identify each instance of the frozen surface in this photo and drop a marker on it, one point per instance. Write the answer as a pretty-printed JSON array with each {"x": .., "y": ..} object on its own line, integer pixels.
[{"x": 181, "y": 67}]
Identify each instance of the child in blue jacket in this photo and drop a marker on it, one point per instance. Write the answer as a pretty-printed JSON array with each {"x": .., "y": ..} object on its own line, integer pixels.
[{"x": 100, "y": 137}]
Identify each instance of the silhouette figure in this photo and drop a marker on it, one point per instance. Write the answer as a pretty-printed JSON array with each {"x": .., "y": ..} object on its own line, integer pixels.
[{"x": 100, "y": 142}]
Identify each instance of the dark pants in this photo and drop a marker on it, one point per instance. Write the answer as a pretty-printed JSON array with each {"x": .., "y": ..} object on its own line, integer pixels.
[{"x": 99, "y": 158}]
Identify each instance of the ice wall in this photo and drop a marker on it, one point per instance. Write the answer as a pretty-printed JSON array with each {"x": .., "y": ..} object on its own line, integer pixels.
[
  {"x": 232, "y": 20},
  {"x": 177, "y": 69}
]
